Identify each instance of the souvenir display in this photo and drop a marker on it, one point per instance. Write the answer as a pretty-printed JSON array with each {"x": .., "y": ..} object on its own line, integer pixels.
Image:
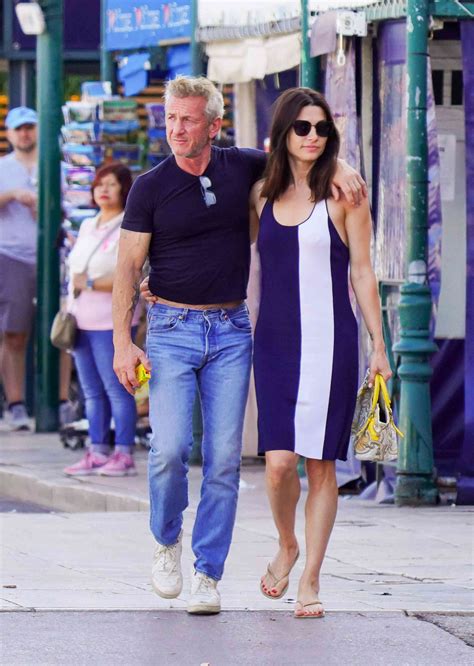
[
  {"x": 158, "y": 147},
  {"x": 156, "y": 115},
  {"x": 125, "y": 131},
  {"x": 92, "y": 154},
  {"x": 80, "y": 112},
  {"x": 78, "y": 132},
  {"x": 118, "y": 110}
]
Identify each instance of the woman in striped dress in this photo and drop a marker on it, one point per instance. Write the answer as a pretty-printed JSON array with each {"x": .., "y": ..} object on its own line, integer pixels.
[{"x": 306, "y": 349}]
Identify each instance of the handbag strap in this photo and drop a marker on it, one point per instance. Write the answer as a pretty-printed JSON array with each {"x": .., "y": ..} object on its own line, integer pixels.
[
  {"x": 380, "y": 387},
  {"x": 383, "y": 389},
  {"x": 375, "y": 394},
  {"x": 386, "y": 397},
  {"x": 102, "y": 240}
]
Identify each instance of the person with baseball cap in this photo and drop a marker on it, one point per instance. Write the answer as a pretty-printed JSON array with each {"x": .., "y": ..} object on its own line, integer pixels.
[{"x": 18, "y": 240}]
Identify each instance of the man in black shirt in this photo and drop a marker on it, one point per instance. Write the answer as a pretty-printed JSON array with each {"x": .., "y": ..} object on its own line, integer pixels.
[{"x": 190, "y": 216}]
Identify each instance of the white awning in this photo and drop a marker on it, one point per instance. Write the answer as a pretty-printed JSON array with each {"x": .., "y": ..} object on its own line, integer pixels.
[
  {"x": 245, "y": 12},
  {"x": 243, "y": 60},
  {"x": 222, "y": 13},
  {"x": 330, "y": 5}
]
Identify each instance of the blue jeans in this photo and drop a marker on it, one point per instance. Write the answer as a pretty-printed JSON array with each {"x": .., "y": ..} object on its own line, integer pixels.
[
  {"x": 103, "y": 393},
  {"x": 212, "y": 350}
]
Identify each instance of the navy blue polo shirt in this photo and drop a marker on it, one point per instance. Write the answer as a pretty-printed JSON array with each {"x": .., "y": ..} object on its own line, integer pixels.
[{"x": 198, "y": 254}]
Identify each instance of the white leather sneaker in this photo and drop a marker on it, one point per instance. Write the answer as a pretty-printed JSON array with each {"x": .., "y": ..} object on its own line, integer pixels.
[
  {"x": 166, "y": 576},
  {"x": 17, "y": 418},
  {"x": 205, "y": 598}
]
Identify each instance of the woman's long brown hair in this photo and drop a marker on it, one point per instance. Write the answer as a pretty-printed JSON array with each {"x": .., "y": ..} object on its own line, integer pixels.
[{"x": 278, "y": 176}]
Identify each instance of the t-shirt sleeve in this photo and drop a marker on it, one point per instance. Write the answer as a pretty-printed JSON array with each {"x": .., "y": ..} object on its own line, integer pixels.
[
  {"x": 256, "y": 161},
  {"x": 139, "y": 208}
]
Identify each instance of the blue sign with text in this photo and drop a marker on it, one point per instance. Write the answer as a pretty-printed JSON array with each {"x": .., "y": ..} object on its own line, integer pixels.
[{"x": 132, "y": 24}]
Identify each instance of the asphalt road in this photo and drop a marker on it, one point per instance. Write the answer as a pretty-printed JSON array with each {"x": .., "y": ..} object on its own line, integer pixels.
[{"x": 259, "y": 638}]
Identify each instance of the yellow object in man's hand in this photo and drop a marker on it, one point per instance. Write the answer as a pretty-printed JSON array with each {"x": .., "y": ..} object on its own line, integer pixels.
[{"x": 142, "y": 374}]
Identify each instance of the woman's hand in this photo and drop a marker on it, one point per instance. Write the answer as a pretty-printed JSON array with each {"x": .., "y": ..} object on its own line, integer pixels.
[
  {"x": 379, "y": 365},
  {"x": 146, "y": 293},
  {"x": 79, "y": 282}
]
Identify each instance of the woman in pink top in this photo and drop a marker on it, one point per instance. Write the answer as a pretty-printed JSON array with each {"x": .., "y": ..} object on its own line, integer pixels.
[{"x": 92, "y": 265}]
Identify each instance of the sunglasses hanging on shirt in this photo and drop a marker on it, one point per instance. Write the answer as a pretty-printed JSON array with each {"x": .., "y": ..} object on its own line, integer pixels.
[
  {"x": 208, "y": 196},
  {"x": 303, "y": 128}
]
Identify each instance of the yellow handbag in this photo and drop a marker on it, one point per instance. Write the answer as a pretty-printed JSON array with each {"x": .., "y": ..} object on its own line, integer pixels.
[{"x": 374, "y": 433}]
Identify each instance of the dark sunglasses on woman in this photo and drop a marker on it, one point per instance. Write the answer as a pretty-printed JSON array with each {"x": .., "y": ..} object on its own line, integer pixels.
[{"x": 303, "y": 128}]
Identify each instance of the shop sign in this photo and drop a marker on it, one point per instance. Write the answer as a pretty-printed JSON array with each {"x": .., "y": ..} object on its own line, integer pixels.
[{"x": 131, "y": 24}]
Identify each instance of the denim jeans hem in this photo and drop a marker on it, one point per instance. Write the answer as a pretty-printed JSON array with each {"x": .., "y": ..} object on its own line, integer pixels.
[
  {"x": 207, "y": 574},
  {"x": 173, "y": 543}
]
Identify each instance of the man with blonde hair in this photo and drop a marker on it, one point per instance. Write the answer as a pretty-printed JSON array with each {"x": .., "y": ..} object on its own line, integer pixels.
[{"x": 190, "y": 216}]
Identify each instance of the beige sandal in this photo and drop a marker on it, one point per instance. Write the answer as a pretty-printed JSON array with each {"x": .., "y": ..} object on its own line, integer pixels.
[
  {"x": 306, "y": 616},
  {"x": 276, "y": 581}
]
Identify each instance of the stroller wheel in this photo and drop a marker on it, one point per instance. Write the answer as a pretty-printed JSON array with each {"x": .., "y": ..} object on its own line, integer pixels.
[{"x": 74, "y": 442}]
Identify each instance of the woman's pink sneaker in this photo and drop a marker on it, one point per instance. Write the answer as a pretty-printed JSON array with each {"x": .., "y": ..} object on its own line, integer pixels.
[
  {"x": 119, "y": 464},
  {"x": 90, "y": 464}
]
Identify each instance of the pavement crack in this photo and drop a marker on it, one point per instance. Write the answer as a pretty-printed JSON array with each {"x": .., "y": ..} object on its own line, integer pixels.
[
  {"x": 378, "y": 572},
  {"x": 417, "y": 579},
  {"x": 19, "y": 606},
  {"x": 445, "y": 623},
  {"x": 331, "y": 575}
]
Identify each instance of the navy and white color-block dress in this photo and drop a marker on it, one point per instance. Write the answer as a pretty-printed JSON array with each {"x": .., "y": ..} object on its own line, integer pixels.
[{"x": 306, "y": 342}]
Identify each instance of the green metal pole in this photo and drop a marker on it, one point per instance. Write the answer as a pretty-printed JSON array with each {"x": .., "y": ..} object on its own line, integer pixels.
[
  {"x": 107, "y": 68},
  {"x": 49, "y": 100},
  {"x": 415, "y": 483},
  {"x": 309, "y": 67},
  {"x": 196, "y": 56}
]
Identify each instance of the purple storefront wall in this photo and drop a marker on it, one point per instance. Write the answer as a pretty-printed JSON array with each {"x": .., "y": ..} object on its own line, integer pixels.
[{"x": 81, "y": 27}]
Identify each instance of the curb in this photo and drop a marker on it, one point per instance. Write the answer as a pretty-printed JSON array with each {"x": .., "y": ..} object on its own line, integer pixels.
[{"x": 68, "y": 495}]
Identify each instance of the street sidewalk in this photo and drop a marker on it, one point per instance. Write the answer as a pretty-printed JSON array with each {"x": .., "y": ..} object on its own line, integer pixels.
[{"x": 94, "y": 551}]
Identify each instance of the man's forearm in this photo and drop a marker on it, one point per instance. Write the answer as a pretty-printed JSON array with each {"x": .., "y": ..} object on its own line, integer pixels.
[{"x": 125, "y": 297}]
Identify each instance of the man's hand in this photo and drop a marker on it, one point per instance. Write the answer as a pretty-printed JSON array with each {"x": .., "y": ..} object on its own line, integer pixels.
[
  {"x": 26, "y": 198},
  {"x": 146, "y": 293},
  {"x": 350, "y": 182},
  {"x": 126, "y": 360}
]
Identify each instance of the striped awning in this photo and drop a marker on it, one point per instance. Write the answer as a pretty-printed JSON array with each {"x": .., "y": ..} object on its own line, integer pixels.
[{"x": 242, "y": 19}]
